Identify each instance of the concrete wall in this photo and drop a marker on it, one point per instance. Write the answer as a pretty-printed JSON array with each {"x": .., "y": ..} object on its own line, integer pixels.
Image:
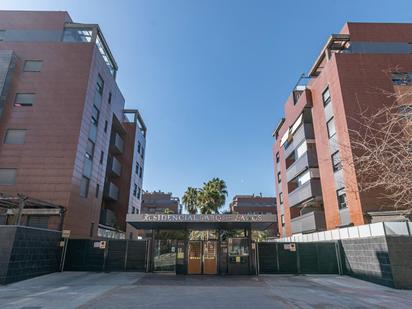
[
  {"x": 368, "y": 259},
  {"x": 27, "y": 252},
  {"x": 400, "y": 256},
  {"x": 384, "y": 260}
]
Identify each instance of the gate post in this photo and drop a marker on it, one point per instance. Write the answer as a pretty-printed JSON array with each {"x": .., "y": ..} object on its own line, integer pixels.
[
  {"x": 297, "y": 258},
  {"x": 338, "y": 257},
  {"x": 277, "y": 257},
  {"x": 125, "y": 255}
]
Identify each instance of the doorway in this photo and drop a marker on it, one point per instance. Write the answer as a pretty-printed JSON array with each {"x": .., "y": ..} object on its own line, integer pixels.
[
  {"x": 202, "y": 257},
  {"x": 210, "y": 257},
  {"x": 194, "y": 263}
]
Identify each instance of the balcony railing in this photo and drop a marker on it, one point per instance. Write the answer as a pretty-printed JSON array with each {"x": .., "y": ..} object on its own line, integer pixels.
[
  {"x": 115, "y": 167},
  {"x": 308, "y": 190},
  {"x": 111, "y": 191},
  {"x": 304, "y": 132},
  {"x": 116, "y": 144},
  {"x": 344, "y": 216},
  {"x": 308, "y": 159},
  {"x": 310, "y": 222}
]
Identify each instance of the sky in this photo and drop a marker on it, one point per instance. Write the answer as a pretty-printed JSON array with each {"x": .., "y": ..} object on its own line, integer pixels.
[{"x": 210, "y": 77}]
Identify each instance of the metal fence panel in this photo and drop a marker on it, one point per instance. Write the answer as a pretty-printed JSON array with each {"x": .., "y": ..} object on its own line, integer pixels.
[
  {"x": 267, "y": 258},
  {"x": 136, "y": 255}
]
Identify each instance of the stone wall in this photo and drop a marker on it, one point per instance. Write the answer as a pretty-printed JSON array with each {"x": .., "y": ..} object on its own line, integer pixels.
[{"x": 27, "y": 252}]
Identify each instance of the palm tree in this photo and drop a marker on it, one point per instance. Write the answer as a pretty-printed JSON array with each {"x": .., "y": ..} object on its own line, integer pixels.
[
  {"x": 190, "y": 200},
  {"x": 212, "y": 196}
]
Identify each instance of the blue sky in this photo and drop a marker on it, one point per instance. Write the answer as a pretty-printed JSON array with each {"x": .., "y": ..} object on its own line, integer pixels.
[{"x": 210, "y": 77}]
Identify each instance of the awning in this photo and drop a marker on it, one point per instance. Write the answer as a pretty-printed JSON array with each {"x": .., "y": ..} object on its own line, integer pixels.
[{"x": 201, "y": 222}]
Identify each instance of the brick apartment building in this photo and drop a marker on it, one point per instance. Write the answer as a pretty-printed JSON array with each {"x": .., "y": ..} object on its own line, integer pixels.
[
  {"x": 66, "y": 137},
  {"x": 160, "y": 202},
  {"x": 315, "y": 177},
  {"x": 253, "y": 204}
]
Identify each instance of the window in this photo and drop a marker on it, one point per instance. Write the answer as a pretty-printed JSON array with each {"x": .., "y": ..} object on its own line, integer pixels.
[
  {"x": 281, "y": 198},
  {"x": 405, "y": 111},
  {"x": 84, "y": 186},
  {"x": 2, "y": 35},
  {"x": 139, "y": 146},
  {"x": 282, "y": 219},
  {"x": 101, "y": 157},
  {"x": 93, "y": 133},
  {"x": 77, "y": 35},
  {"x": 138, "y": 193},
  {"x": 142, "y": 152},
  {"x": 303, "y": 178},
  {"x": 24, "y": 99},
  {"x": 341, "y": 195},
  {"x": 87, "y": 167},
  {"x": 89, "y": 149},
  {"x": 95, "y": 115},
  {"x": 336, "y": 162},
  {"x": 100, "y": 84},
  {"x": 141, "y": 172},
  {"x": 301, "y": 150},
  {"x": 402, "y": 79},
  {"x": 104, "y": 51},
  {"x": 331, "y": 127},
  {"x": 326, "y": 97},
  {"x": 110, "y": 98},
  {"x": 15, "y": 136},
  {"x": 135, "y": 190},
  {"x": 106, "y": 123},
  {"x": 7, "y": 176},
  {"x": 137, "y": 168},
  {"x": 279, "y": 177},
  {"x": 277, "y": 157},
  {"x": 97, "y": 190},
  {"x": 41, "y": 222},
  {"x": 32, "y": 65}
]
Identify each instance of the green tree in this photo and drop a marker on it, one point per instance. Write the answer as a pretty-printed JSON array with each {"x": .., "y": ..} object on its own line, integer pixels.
[
  {"x": 212, "y": 196},
  {"x": 190, "y": 200}
]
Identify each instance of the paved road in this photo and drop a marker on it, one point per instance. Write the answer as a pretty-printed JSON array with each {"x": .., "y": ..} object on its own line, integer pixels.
[{"x": 138, "y": 290}]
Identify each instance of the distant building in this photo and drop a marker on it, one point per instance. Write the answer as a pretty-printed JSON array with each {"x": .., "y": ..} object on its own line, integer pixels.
[
  {"x": 66, "y": 137},
  {"x": 253, "y": 204},
  {"x": 159, "y": 202}
]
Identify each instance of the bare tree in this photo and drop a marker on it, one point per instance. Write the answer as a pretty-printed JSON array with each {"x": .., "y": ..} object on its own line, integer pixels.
[{"x": 382, "y": 150}]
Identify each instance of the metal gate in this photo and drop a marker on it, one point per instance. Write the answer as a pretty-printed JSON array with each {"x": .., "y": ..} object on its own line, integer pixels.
[
  {"x": 111, "y": 255},
  {"x": 299, "y": 258}
]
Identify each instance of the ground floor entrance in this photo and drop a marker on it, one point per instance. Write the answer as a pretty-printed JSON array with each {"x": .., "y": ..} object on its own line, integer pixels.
[
  {"x": 202, "y": 257},
  {"x": 202, "y": 244},
  {"x": 203, "y": 252}
]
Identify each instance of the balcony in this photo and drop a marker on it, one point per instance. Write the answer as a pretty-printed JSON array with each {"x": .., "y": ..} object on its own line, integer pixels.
[
  {"x": 304, "y": 132},
  {"x": 115, "y": 167},
  {"x": 107, "y": 217},
  {"x": 111, "y": 192},
  {"x": 308, "y": 159},
  {"x": 116, "y": 144},
  {"x": 310, "y": 189},
  {"x": 310, "y": 222},
  {"x": 344, "y": 217}
]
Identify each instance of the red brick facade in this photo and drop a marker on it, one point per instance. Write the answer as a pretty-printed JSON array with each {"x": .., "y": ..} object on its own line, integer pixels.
[
  {"x": 50, "y": 163},
  {"x": 356, "y": 77}
]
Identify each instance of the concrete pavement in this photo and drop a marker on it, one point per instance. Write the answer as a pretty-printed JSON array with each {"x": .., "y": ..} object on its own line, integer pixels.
[{"x": 139, "y": 290}]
